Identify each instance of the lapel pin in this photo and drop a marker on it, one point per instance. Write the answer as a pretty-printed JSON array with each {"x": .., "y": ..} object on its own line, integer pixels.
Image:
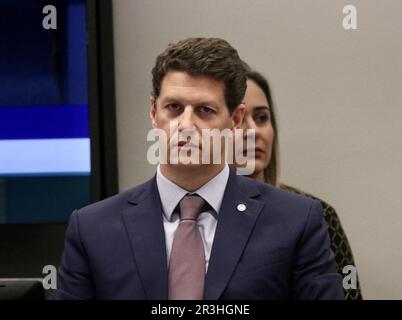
[{"x": 241, "y": 207}]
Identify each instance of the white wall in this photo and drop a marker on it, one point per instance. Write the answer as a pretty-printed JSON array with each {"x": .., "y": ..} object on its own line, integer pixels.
[{"x": 338, "y": 96}]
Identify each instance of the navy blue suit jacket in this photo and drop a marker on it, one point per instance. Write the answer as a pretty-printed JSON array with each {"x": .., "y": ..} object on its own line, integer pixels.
[{"x": 278, "y": 248}]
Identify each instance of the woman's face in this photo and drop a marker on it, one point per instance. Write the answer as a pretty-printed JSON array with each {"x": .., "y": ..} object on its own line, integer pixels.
[{"x": 258, "y": 117}]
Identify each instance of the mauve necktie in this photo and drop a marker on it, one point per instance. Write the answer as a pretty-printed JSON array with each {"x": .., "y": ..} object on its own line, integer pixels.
[{"x": 187, "y": 258}]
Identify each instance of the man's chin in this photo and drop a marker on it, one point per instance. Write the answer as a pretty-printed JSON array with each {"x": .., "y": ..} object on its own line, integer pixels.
[{"x": 191, "y": 166}]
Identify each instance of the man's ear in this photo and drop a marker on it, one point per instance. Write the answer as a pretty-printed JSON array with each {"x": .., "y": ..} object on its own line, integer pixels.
[
  {"x": 152, "y": 111},
  {"x": 238, "y": 116}
]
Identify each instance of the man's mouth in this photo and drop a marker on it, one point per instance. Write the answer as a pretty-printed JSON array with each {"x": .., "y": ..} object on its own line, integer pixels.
[{"x": 187, "y": 144}]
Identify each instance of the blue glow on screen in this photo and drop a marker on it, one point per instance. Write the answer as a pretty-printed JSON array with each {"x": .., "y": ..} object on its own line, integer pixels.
[
  {"x": 44, "y": 122},
  {"x": 45, "y": 146},
  {"x": 44, "y": 139}
]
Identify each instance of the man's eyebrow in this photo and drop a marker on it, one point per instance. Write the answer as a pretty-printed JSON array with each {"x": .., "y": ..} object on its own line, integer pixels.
[
  {"x": 204, "y": 102},
  {"x": 169, "y": 99}
]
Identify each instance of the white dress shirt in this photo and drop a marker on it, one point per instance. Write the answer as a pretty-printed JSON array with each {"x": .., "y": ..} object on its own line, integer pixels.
[{"x": 171, "y": 194}]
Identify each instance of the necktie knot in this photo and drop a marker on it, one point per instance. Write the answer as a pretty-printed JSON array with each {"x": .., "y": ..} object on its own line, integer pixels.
[{"x": 190, "y": 207}]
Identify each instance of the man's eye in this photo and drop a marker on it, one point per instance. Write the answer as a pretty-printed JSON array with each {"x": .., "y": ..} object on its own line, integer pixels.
[
  {"x": 205, "y": 109},
  {"x": 173, "y": 106}
]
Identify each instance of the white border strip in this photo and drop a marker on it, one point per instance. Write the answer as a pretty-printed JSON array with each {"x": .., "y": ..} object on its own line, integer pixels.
[{"x": 45, "y": 156}]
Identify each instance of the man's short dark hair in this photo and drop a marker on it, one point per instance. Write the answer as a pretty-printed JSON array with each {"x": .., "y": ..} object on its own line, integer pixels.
[{"x": 212, "y": 57}]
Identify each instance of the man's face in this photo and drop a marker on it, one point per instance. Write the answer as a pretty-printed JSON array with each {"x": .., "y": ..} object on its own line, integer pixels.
[{"x": 194, "y": 103}]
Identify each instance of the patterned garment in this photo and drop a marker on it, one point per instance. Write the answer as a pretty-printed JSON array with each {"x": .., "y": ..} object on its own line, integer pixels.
[{"x": 339, "y": 242}]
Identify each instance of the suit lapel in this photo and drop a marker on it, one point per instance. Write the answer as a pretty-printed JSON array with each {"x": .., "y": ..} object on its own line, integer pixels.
[
  {"x": 232, "y": 233},
  {"x": 144, "y": 222}
]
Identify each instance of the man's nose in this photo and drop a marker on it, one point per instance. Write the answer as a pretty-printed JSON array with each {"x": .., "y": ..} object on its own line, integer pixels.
[{"x": 186, "y": 120}]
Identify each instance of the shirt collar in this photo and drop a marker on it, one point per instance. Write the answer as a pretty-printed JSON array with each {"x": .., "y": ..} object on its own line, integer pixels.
[{"x": 212, "y": 192}]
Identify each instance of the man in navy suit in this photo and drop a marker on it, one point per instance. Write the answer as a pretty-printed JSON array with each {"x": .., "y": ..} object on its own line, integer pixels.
[{"x": 257, "y": 242}]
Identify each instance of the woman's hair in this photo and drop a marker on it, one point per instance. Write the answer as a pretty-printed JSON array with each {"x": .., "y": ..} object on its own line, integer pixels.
[{"x": 271, "y": 172}]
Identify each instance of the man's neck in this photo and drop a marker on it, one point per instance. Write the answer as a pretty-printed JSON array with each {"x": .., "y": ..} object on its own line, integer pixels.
[{"x": 191, "y": 177}]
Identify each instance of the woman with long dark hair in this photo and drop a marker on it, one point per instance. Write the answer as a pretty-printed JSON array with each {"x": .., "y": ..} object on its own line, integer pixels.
[{"x": 260, "y": 115}]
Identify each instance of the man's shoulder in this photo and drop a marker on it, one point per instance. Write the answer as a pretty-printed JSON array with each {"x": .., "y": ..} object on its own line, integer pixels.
[
  {"x": 281, "y": 205},
  {"x": 289, "y": 212},
  {"x": 116, "y": 203},
  {"x": 273, "y": 194}
]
